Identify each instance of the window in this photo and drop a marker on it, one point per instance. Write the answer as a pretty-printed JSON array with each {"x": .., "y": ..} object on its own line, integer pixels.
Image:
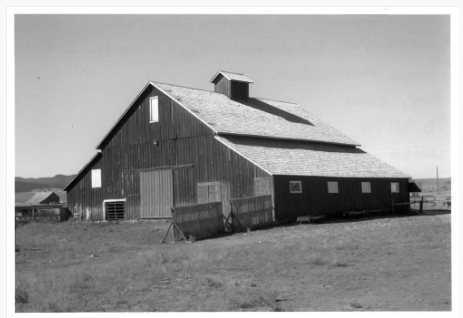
[
  {"x": 295, "y": 186},
  {"x": 333, "y": 187},
  {"x": 394, "y": 187},
  {"x": 96, "y": 178},
  {"x": 154, "y": 109},
  {"x": 366, "y": 187}
]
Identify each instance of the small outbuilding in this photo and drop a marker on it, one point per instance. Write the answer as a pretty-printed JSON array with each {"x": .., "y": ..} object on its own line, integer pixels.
[{"x": 44, "y": 197}]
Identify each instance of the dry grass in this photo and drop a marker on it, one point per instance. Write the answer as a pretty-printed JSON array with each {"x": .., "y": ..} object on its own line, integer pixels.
[{"x": 122, "y": 267}]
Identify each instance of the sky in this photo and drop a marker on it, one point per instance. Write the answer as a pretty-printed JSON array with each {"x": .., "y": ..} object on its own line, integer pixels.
[{"x": 384, "y": 81}]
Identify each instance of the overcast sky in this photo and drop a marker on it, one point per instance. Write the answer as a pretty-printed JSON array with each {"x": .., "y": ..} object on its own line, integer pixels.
[{"x": 384, "y": 81}]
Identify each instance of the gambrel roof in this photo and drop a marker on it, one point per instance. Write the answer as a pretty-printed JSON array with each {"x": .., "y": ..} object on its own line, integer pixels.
[{"x": 279, "y": 157}]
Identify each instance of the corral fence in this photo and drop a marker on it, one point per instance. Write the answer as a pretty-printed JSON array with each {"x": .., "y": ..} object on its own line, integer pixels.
[
  {"x": 207, "y": 219},
  {"x": 251, "y": 212},
  {"x": 420, "y": 201},
  {"x": 41, "y": 213},
  {"x": 198, "y": 220}
]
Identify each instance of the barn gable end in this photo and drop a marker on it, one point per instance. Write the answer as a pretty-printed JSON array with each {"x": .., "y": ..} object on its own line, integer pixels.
[{"x": 180, "y": 143}]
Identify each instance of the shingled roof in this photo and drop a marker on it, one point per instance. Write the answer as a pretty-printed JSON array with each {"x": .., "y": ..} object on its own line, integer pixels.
[
  {"x": 255, "y": 116},
  {"x": 43, "y": 197},
  {"x": 310, "y": 159}
]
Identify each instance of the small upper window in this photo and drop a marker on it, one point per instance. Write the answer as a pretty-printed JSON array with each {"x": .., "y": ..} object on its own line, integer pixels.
[
  {"x": 96, "y": 178},
  {"x": 366, "y": 187},
  {"x": 154, "y": 109},
  {"x": 295, "y": 186},
  {"x": 333, "y": 187},
  {"x": 394, "y": 187}
]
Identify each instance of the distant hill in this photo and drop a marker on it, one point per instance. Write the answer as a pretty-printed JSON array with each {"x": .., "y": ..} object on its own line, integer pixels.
[{"x": 31, "y": 184}]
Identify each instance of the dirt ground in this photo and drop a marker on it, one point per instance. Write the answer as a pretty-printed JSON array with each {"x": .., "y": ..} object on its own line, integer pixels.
[{"x": 368, "y": 264}]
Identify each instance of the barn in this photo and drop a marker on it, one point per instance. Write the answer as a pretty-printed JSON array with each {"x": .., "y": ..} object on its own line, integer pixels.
[
  {"x": 176, "y": 146},
  {"x": 44, "y": 197}
]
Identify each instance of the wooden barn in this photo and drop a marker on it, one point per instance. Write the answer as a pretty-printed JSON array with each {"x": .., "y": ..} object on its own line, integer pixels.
[{"x": 176, "y": 146}]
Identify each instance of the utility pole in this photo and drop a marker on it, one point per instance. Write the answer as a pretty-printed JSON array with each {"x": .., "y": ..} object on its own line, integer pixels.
[{"x": 437, "y": 175}]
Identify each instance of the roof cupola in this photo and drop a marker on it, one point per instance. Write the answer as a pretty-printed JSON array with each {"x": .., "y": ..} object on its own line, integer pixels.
[{"x": 234, "y": 85}]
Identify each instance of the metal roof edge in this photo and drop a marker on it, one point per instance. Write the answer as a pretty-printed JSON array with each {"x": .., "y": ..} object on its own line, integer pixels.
[
  {"x": 239, "y": 153},
  {"x": 98, "y": 154}
]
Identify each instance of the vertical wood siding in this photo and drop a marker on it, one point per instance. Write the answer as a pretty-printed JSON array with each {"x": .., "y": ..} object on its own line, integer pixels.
[
  {"x": 156, "y": 194},
  {"x": 82, "y": 197},
  {"x": 177, "y": 140},
  {"x": 222, "y": 86},
  {"x": 315, "y": 199}
]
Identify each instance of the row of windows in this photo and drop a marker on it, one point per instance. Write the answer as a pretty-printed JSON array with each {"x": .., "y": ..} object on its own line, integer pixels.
[
  {"x": 294, "y": 186},
  {"x": 333, "y": 187}
]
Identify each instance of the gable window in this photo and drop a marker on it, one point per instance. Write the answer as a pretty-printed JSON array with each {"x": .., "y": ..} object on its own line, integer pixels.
[
  {"x": 366, "y": 187},
  {"x": 394, "y": 187},
  {"x": 96, "y": 178},
  {"x": 154, "y": 109},
  {"x": 295, "y": 186},
  {"x": 333, "y": 187}
]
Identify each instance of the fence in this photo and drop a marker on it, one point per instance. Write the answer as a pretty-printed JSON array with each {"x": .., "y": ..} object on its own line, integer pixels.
[
  {"x": 44, "y": 213},
  {"x": 198, "y": 220},
  {"x": 252, "y": 212}
]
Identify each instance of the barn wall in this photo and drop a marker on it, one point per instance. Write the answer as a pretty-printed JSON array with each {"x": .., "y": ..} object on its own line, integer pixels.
[
  {"x": 183, "y": 144},
  {"x": 81, "y": 197},
  {"x": 315, "y": 199}
]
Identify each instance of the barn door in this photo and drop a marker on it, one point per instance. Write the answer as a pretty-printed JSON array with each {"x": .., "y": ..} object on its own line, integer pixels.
[{"x": 156, "y": 197}]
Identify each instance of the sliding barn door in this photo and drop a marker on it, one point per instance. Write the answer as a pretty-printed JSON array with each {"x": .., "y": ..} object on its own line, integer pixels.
[{"x": 156, "y": 197}]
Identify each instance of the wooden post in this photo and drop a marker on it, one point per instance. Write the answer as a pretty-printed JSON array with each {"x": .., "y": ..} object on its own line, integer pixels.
[
  {"x": 167, "y": 233},
  {"x": 230, "y": 216},
  {"x": 421, "y": 206}
]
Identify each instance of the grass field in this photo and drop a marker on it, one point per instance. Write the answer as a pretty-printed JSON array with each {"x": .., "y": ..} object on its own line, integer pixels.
[{"x": 370, "y": 264}]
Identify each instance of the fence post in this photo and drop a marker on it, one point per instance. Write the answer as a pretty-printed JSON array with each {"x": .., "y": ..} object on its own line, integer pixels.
[{"x": 232, "y": 223}]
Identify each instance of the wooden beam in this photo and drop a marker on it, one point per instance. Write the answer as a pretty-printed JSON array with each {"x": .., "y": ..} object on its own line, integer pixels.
[{"x": 160, "y": 168}]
